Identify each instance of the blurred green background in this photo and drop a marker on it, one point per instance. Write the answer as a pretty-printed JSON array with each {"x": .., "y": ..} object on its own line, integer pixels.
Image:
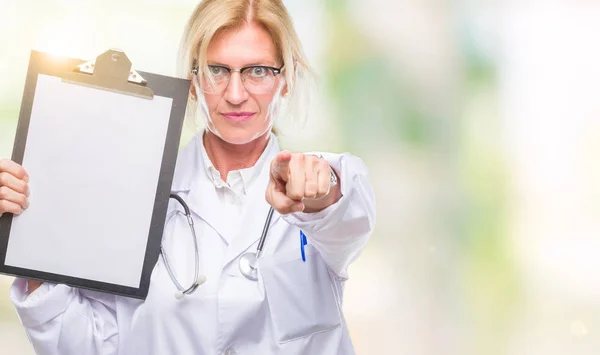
[{"x": 479, "y": 122}]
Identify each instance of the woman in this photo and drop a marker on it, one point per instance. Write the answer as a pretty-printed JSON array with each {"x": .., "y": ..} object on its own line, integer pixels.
[{"x": 246, "y": 65}]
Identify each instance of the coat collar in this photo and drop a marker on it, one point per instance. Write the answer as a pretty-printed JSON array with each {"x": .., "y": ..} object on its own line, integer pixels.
[
  {"x": 240, "y": 179},
  {"x": 193, "y": 164},
  {"x": 192, "y": 179}
]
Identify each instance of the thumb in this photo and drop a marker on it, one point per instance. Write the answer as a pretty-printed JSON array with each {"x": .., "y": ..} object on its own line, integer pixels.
[
  {"x": 281, "y": 165},
  {"x": 282, "y": 203}
]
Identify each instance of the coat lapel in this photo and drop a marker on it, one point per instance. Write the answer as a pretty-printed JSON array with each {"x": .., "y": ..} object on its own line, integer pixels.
[
  {"x": 202, "y": 198},
  {"x": 255, "y": 212},
  {"x": 204, "y": 202}
]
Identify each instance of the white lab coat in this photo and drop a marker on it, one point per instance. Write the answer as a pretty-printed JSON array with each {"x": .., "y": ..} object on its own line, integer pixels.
[{"x": 295, "y": 307}]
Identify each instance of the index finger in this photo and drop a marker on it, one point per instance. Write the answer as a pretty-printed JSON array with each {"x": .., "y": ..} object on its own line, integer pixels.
[
  {"x": 281, "y": 164},
  {"x": 14, "y": 169}
]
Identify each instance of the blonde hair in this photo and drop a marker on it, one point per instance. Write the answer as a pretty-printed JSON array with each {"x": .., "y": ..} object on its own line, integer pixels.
[{"x": 213, "y": 16}]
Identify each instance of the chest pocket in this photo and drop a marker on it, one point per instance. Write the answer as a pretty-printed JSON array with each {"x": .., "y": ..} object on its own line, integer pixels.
[{"x": 301, "y": 296}]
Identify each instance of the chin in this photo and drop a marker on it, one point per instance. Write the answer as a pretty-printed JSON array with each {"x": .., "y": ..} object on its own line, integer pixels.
[{"x": 241, "y": 134}]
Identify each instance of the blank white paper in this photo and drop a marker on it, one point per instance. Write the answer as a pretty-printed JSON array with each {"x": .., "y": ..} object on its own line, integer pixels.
[{"x": 94, "y": 160}]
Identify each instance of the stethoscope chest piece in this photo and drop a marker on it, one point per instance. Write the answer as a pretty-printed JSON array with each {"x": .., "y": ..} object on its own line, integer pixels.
[
  {"x": 248, "y": 263},
  {"x": 248, "y": 266}
]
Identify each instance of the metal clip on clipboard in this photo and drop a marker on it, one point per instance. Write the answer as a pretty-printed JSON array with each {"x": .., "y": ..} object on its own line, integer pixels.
[{"x": 110, "y": 71}]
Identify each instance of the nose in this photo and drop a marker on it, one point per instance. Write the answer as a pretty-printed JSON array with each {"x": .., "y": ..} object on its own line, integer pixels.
[{"x": 236, "y": 93}]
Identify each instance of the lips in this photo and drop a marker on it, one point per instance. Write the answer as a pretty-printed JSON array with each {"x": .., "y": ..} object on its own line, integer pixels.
[{"x": 238, "y": 116}]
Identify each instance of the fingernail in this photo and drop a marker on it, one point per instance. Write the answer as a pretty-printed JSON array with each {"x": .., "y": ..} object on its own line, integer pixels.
[
  {"x": 299, "y": 207},
  {"x": 27, "y": 192},
  {"x": 26, "y": 178},
  {"x": 26, "y": 203}
]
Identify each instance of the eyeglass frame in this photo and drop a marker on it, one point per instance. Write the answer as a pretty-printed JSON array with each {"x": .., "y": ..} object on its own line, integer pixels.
[{"x": 276, "y": 71}]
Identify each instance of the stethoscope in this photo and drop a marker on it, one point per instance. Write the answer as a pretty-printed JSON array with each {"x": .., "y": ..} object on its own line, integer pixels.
[{"x": 248, "y": 263}]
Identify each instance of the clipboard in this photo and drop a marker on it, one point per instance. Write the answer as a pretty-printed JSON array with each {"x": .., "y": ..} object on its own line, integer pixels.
[{"x": 99, "y": 141}]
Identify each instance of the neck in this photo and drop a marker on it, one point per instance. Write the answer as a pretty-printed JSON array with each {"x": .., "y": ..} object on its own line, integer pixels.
[{"x": 227, "y": 157}]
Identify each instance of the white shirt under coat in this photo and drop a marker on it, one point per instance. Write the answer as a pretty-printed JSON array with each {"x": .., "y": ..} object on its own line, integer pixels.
[{"x": 294, "y": 308}]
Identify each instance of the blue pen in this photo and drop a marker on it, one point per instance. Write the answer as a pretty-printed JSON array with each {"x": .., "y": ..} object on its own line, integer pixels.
[{"x": 303, "y": 242}]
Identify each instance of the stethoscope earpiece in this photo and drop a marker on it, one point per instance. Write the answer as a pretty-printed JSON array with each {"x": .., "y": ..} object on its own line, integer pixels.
[{"x": 179, "y": 294}]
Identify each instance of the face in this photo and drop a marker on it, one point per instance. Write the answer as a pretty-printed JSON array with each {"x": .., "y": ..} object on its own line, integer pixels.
[{"x": 237, "y": 115}]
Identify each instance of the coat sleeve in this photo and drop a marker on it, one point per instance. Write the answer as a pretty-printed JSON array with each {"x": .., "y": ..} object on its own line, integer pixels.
[
  {"x": 341, "y": 231},
  {"x": 64, "y": 320}
]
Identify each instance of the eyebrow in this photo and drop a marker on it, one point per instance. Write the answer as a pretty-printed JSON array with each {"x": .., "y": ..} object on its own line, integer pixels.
[{"x": 253, "y": 64}]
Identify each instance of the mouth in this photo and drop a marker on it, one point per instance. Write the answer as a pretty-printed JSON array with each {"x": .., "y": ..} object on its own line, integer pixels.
[{"x": 238, "y": 117}]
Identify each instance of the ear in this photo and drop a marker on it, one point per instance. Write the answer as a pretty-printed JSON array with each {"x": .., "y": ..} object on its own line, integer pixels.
[
  {"x": 284, "y": 90},
  {"x": 193, "y": 91}
]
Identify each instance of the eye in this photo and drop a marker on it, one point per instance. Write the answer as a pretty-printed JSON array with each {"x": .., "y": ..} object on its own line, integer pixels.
[
  {"x": 216, "y": 71},
  {"x": 258, "y": 72}
]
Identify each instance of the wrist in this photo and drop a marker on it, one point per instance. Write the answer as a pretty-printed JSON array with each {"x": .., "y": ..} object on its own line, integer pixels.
[{"x": 33, "y": 285}]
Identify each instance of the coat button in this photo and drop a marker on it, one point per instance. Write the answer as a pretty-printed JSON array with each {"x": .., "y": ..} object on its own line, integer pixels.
[{"x": 230, "y": 351}]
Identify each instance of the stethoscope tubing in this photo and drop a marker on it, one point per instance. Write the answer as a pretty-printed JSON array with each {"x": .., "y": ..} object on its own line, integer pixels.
[
  {"x": 163, "y": 253},
  {"x": 263, "y": 235},
  {"x": 248, "y": 273}
]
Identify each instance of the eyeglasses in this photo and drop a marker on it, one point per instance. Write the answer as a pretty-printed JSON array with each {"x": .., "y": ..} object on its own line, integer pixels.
[{"x": 257, "y": 79}]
